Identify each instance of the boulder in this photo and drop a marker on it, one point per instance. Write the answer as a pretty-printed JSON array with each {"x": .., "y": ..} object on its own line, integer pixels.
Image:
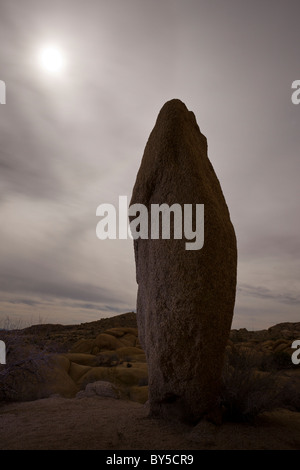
[
  {"x": 100, "y": 388},
  {"x": 84, "y": 346},
  {"x": 107, "y": 342},
  {"x": 37, "y": 377},
  {"x": 185, "y": 297}
]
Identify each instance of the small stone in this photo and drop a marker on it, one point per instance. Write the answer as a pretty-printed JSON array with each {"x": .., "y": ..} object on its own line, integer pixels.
[{"x": 100, "y": 388}]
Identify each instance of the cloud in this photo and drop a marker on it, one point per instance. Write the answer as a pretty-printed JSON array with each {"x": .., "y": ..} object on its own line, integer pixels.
[{"x": 264, "y": 293}]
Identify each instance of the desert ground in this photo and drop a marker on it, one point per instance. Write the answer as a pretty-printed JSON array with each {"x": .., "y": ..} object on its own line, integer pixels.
[
  {"x": 110, "y": 424},
  {"x": 91, "y": 392}
]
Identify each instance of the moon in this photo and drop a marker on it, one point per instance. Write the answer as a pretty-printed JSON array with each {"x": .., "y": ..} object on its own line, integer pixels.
[{"x": 51, "y": 59}]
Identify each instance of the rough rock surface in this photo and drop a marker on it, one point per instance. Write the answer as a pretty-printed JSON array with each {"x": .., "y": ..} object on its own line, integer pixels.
[{"x": 185, "y": 297}]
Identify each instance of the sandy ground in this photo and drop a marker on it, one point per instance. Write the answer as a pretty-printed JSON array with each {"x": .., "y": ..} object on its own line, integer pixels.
[{"x": 105, "y": 423}]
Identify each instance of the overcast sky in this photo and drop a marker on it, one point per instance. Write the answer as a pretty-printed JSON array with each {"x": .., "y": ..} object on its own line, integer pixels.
[{"x": 73, "y": 140}]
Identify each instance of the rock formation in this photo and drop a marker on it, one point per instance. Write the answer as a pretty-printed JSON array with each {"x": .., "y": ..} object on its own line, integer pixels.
[
  {"x": 185, "y": 296},
  {"x": 86, "y": 369}
]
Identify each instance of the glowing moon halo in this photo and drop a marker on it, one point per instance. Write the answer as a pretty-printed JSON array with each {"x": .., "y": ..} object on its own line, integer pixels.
[{"x": 51, "y": 59}]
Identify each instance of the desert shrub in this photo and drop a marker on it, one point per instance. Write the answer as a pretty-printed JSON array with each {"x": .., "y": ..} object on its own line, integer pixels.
[
  {"x": 276, "y": 361},
  {"x": 282, "y": 360},
  {"x": 246, "y": 391},
  {"x": 290, "y": 397},
  {"x": 8, "y": 323},
  {"x": 267, "y": 363}
]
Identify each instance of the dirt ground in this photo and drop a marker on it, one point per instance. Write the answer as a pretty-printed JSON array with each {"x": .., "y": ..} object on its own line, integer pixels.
[{"x": 104, "y": 423}]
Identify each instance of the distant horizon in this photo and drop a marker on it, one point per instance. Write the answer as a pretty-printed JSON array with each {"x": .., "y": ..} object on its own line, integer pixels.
[{"x": 20, "y": 323}]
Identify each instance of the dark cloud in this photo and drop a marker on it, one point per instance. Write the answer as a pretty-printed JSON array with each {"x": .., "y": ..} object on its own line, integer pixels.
[
  {"x": 48, "y": 288},
  {"x": 23, "y": 302},
  {"x": 264, "y": 293}
]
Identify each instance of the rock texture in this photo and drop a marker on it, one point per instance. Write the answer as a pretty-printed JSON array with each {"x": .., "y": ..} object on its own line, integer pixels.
[{"x": 185, "y": 298}]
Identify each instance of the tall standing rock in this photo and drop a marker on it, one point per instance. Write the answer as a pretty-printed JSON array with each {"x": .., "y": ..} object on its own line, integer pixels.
[{"x": 185, "y": 297}]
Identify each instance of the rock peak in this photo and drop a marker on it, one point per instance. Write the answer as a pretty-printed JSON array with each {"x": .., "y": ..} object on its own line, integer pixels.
[{"x": 176, "y": 110}]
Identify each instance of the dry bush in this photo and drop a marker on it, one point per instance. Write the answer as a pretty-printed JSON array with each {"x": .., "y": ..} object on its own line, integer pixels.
[
  {"x": 290, "y": 398},
  {"x": 246, "y": 390}
]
